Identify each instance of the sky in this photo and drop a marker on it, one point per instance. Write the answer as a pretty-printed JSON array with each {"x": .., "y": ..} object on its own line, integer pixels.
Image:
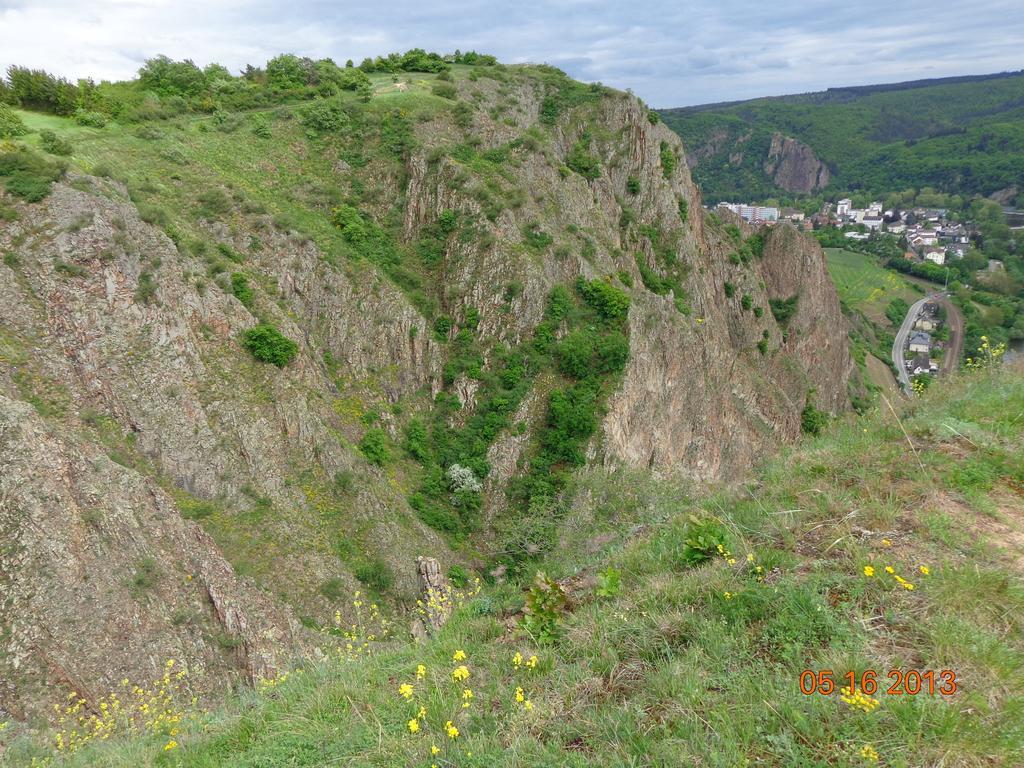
[{"x": 669, "y": 53}]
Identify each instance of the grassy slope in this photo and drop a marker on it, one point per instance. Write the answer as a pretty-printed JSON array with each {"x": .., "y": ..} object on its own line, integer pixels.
[
  {"x": 675, "y": 671},
  {"x": 865, "y": 286},
  {"x": 882, "y": 140}
]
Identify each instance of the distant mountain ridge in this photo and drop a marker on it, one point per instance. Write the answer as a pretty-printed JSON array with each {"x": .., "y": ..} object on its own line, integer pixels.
[{"x": 946, "y": 133}]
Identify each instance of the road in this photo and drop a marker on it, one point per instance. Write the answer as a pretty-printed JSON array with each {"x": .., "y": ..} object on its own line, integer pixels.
[
  {"x": 954, "y": 347},
  {"x": 899, "y": 344}
]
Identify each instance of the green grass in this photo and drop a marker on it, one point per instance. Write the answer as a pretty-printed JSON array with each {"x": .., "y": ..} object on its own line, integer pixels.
[
  {"x": 699, "y": 664},
  {"x": 865, "y": 286}
]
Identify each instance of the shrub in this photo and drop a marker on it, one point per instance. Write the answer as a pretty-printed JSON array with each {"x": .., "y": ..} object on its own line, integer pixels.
[
  {"x": 375, "y": 574},
  {"x": 323, "y": 116},
  {"x": 445, "y": 91},
  {"x": 610, "y": 302},
  {"x": 54, "y": 144},
  {"x": 268, "y": 345},
  {"x": 668, "y": 160},
  {"x": 374, "y": 446},
  {"x": 684, "y": 211},
  {"x": 545, "y": 607},
  {"x": 704, "y": 539},
  {"x": 29, "y": 175},
  {"x": 417, "y": 442},
  {"x": 783, "y": 309},
  {"x": 536, "y": 238},
  {"x": 812, "y": 421},
  {"x": 747, "y": 302},
  {"x": 729, "y": 288},
  {"x": 242, "y": 290},
  {"x": 10, "y": 124},
  {"x": 146, "y": 290},
  {"x": 582, "y": 162},
  {"x": 633, "y": 185},
  {"x": 90, "y": 119},
  {"x": 442, "y": 327}
]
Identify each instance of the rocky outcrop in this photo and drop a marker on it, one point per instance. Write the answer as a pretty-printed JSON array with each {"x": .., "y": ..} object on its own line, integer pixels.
[
  {"x": 121, "y": 366},
  {"x": 817, "y": 334},
  {"x": 793, "y": 166},
  {"x": 101, "y": 579}
]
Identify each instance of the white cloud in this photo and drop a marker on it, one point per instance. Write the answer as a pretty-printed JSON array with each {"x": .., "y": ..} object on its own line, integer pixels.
[{"x": 669, "y": 53}]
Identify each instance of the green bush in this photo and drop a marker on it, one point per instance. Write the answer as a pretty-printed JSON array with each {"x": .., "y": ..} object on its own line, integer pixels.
[
  {"x": 582, "y": 162},
  {"x": 374, "y": 446},
  {"x": 375, "y": 574},
  {"x": 668, "y": 160},
  {"x": 729, "y": 288},
  {"x": 445, "y": 91},
  {"x": 242, "y": 290},
  {"x": 610, "y": 302},
  {"x": 268, "y": 345},
  {"x": 684, "y": 211},
  {"x": 29, "y": 175},
  {"x": 783, "y": 309},
  {"x": 10, "y": 124},
  {"x": 536, "y": 238},
  {"x": 90, "y": 118},
  {"x": 417, "y": 441},
  {"x": 704, "y": 539},
  {"x": 812, "y": 421},
  {"x": 633, "y": 185},
  {"x": 546, "y": 604},
  {"x": 747, "y": 302}
]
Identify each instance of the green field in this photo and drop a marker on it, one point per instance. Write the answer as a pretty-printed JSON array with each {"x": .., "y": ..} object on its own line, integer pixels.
[{"x": 865, "y": 286}]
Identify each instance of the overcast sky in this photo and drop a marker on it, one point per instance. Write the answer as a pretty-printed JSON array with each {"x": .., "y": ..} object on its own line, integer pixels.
[{"x": 670, "y": 53}]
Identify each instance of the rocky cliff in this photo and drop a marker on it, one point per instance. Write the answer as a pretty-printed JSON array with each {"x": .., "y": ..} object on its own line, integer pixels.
[
  {"x": 143, "y": 445},
  {"x": 794, "y": 167}
]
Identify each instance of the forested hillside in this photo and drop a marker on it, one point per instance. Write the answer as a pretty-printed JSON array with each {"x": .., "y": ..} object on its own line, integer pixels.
[{"x": 962, "y": 135}]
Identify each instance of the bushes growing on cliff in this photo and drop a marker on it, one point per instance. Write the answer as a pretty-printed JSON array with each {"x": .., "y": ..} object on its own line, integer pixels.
[
  {"x": 242, "y": 290},
  {"x": 582, "y": 162},
  {"x": 374, "y": 446},
  {"x": 269, "y": 345},
  {"x": 783, "y": 309},
  {"x": 669, "y": 161}
]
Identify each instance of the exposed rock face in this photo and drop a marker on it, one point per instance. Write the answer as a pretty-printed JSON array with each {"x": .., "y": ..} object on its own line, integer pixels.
[
  {"x": 793, "y": 165},
  {"x": 119, "y": 344},
  {"x": 793, "y": 265},
  {"x": 101, "y": 579}
]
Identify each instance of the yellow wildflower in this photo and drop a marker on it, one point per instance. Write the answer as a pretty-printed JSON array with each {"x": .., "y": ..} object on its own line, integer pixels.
[
  {"x": 459, "y": 655},
  {"x": 422, "y": 713},
  {"x": 750, "y": 557},
  {"x": 868, "y": 753},
  {"x": 460, "y": 673},
  {"x": 890, "y": 569},
  {"x": 886, "y": 543},
  {"x": 434, "y": 749},
  {"x": 517, "y": 660},
  {"x": 532, "y": 662},
  {"x": 520, "y": 696},
  {"x": 924, "y": 569},
  {"x": 414, "y": 725},
  {"x": 405, "y": 690},
  {"x": 728, "y": 595},
  {"x": 170, "y": 745},
  {"x": 451, "y": 730},
  {"x": 869, "y": 570},
  {"x": 421, "y": 671}
]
